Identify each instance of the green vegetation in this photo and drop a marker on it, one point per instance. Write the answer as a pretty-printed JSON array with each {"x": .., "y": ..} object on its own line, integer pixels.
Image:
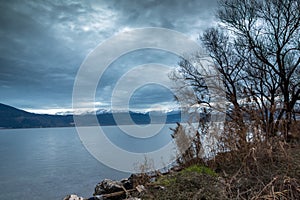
[
  {"x": 166, "y": 180},
  {"x": 199, "y": 169}
]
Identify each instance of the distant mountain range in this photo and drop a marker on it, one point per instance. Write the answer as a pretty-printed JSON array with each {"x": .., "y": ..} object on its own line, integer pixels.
[{"x": 11, "y": 117}]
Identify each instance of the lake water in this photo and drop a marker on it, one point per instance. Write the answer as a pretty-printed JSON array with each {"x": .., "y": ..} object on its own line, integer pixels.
[{"x": 50, "y": 163}]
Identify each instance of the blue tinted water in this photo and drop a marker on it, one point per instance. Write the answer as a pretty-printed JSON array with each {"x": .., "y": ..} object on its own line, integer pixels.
[{"x": 50, "y": 163}]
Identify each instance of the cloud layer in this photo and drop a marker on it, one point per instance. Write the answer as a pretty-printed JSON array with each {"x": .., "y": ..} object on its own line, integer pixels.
[{"x": 44, "y": 43}]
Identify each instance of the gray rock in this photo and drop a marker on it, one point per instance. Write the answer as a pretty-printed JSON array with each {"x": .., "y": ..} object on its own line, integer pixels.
[
  {"x": 108, "y": 186},
  {"x": 127, "y": 184}
]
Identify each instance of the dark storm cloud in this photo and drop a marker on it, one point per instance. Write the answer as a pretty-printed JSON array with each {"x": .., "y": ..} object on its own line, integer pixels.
[
  {"x": 38, "y": 57},
  {"x": 43, "y": 43},
  {"x": 184, "y": 16}
]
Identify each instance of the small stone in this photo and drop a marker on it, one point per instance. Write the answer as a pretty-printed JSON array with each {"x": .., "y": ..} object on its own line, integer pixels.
[
  {"x": 140, "y": 188},
  {"x": 73, "y": 197}
]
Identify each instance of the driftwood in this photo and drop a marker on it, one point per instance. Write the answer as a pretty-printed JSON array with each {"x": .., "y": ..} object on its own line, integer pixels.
[
  {"x": 138, "y": 187},
  {"x": 114, "y": 194}
]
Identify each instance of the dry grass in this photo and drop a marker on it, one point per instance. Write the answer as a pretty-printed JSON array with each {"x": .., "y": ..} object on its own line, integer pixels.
[
  {"x": 270, "y": 170},
  {"x": 261, "y": 169}
]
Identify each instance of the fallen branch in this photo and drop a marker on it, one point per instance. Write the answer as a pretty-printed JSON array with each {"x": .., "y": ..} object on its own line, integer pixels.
[{"x": 118, "y": 193}]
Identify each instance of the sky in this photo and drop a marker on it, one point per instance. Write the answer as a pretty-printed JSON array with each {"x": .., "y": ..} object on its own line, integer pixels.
[{"x": 44, "y": 43}]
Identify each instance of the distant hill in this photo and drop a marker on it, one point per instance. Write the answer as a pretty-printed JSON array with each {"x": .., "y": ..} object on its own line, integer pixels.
[{"x": 11, "y": 117}]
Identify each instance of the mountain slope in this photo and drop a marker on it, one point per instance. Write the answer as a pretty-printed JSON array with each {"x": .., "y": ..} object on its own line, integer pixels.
[{"x": 11, "y": 117}]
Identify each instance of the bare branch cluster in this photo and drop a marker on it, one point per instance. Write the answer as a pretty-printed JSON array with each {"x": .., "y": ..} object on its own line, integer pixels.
[{"x": 256, "y": 49}]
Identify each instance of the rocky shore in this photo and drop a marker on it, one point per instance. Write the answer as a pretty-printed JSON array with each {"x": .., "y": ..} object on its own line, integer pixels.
[
  {"x": 115, "y": 190},
  {"x": 227, "y": 177},
  {"x": 266, "y": 171},
  {"x": 196, "y": 181}
]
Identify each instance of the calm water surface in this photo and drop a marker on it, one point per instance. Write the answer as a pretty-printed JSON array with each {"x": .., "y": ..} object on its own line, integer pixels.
[{"x": 50, "y": 163}]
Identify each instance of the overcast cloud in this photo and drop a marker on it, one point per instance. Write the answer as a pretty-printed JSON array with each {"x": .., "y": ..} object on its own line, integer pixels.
[{"x": 43, "y": 44}]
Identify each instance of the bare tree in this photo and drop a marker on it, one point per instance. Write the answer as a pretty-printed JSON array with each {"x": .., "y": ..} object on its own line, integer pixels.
[
  {"x": 231, "y": 65},
  {"x": 269, "y": 31},
  {"x": 257, "y": 52},
  {"x": 256, "y": 49}
]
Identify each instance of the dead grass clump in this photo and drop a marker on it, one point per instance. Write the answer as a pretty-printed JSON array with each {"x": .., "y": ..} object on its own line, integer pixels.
[{"x": 270, "y": 170}]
